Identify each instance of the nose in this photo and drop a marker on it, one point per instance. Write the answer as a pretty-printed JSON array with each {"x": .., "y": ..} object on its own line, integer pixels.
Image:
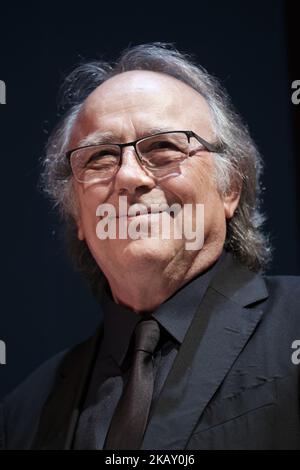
[{"x": 131, "y": 175}]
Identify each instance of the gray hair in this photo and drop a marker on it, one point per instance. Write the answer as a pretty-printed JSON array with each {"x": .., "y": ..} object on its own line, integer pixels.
[{"x": 239, "y": 165}]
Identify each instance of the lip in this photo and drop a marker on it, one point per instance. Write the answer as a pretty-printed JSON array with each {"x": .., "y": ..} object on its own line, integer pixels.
[
  {"x": 141, "y": 208},
  {"x": 149, "y": 213}
]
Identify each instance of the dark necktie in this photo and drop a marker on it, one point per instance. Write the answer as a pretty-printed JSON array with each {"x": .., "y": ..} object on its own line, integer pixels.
[{"x": 129, "y": 421}]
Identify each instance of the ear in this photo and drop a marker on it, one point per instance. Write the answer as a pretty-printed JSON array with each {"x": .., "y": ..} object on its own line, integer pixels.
[{"x": 230, "y": 202}]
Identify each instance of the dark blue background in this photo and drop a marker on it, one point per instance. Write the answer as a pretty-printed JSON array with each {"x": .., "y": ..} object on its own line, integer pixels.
[{"x": 45, "y": 305}]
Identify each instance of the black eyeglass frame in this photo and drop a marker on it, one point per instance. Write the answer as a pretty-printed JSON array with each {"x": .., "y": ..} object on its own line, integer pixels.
[{"x": 210, "y": 147}]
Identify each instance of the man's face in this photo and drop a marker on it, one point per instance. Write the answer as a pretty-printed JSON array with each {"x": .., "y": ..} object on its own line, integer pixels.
[{"x": 129, "y": 106}]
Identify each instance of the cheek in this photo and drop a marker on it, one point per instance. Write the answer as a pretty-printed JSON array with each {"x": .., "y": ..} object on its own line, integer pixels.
[
  {"x": 195, "y": 182},
  {"x": 196, "y": 185},
  {"x": 214, "y": 216},
  {"x": 89, "y": 199}
]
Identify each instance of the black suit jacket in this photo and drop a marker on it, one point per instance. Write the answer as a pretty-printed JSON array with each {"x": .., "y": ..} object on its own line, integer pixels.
[{"x": 233, "y": 384}]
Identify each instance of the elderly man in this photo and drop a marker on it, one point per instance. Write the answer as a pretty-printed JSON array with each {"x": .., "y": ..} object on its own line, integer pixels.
[{"x": 197, "y": 349}]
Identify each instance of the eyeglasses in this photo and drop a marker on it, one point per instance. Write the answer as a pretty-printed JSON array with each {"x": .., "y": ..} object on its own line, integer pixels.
[{"x": 159, "y": 153}]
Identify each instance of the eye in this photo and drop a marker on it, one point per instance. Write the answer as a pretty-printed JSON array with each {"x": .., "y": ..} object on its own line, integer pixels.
[
  {"x": 103, "y": 155},
  {"x": 163, "y": 144}
]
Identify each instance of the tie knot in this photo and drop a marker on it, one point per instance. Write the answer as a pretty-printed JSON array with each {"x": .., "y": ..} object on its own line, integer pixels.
[{"x": 146, "y": 334}]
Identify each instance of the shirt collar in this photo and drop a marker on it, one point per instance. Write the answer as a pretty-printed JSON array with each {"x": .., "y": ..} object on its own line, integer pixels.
[
  {"x": 177, "y": 312},
  {"x": 174, "y": 315}
]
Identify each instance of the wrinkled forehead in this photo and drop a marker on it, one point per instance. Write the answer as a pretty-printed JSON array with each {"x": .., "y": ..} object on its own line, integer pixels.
[{"x": 137, "y": 99}]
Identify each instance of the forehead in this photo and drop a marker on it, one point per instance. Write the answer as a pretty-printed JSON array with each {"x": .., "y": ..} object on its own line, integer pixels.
[{"x": 129, "y": 103}]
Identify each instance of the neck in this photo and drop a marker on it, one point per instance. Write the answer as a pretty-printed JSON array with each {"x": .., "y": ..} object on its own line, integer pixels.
[{"x": 143, "y": 290}]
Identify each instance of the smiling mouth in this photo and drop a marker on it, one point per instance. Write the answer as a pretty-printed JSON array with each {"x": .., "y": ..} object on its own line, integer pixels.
[
  {"x": 145, "y": 211},
  {"x": 148, "y": 213}
]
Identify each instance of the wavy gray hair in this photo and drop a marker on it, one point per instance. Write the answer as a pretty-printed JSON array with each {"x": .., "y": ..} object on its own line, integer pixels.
[{"x": 239, "y": 165}]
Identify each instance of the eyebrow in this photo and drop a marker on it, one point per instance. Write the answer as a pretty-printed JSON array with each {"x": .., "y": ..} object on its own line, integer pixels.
[{"x": 100, "y": 137}]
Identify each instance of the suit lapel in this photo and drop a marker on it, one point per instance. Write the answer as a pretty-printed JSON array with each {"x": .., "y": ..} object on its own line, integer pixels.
[
  {"x": 216, "y": 337},
  {"x": 61, "y": 411}
]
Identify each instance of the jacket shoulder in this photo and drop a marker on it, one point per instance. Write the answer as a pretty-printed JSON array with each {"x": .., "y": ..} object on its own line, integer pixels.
[
  {"x": 284, "y": 287},
  {"x": 284, "y": 300},
  {"x": 20, "y": 410}
]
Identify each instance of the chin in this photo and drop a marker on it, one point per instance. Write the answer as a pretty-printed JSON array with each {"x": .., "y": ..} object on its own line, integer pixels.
[{"x": 149, "y": 249}]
